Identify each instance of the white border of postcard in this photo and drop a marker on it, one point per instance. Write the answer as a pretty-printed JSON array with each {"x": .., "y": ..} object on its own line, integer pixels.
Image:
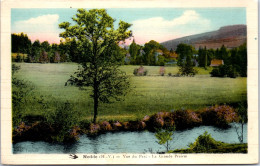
[{"x": 252, "y": 42}]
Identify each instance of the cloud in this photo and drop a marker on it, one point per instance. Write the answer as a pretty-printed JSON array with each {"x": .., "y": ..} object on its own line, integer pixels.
[
  {"x": 44, "y": 27},
  {"x": 160, "y": 29}
]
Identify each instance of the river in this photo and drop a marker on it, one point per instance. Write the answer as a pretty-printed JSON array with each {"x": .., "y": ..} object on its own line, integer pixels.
[{"x": 129, "y": 142}]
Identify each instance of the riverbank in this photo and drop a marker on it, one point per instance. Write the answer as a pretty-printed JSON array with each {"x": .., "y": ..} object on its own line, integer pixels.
[
  {"x": 206, "y": 144},
  {"x": 128, "y": 142},
  {"x": 218, "y": 116}
]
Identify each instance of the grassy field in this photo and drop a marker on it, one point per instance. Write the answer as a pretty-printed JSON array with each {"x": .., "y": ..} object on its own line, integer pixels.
[{"x": 149, "y": 94}]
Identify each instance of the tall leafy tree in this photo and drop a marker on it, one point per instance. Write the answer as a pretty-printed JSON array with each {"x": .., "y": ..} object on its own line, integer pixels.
[
  {"x": 36, "y": 51},
  {"x": 225, "y": 56},
  {"x": 97, "y": 40},
  {"x": 134, "y": 50},
  {"x": 183, "y": 50},
  {"x": 150, "y": 50},
  {"x": 21, "y": 43},
  {"x": 242, "y": 53},
  {"x": 185, "y": 53},
  {"x": 46, "y": 46},
  {"x": 203, "y": 57}
]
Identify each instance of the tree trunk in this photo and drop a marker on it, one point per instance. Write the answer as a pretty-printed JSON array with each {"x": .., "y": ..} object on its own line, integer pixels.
[
  {"x": 242, "y": 135},
  {"x": 167, "y": 146},
  {"x": 95, "y": 99},
  {"x": 206, "y": 61},
  {"x": 95, "y": 105}
]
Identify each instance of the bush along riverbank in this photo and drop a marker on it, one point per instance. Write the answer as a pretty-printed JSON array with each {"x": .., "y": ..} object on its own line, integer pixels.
[
  {"x": 206, "y": 144},
  {"x": 43, "y": 130}
]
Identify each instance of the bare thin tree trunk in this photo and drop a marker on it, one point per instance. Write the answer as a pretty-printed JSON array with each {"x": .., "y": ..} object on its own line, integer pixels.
[{"x": 242, "y": 135}]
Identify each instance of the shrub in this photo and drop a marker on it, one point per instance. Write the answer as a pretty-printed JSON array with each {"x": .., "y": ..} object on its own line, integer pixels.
[
  {"x": 38, "y": 131},
  {"x": 21, "y": 128},
  {"x": 224, "y": 71},
  {"x": 184, "y": 119},
  {"x": 158, "y": 120},
  {"x": 74, "y": 133},
  {"x": 105, "y": 126},
  {"x": 146, "y": 118},
  {"x": 162, "y": 71},
  {"x": 142, "y": 125},
  {"x": 84, "y": 125},
  {"x": 134, "y": 125},
  {"x": 169, "y": 74},
  {"x": 219, "y": 116},
  {"x": 215, "y": 72},
  {"x": 204, "y": 143},
  {"x": 94, "y": 129},
  {"x": 140, "y": 71},
  {"x": 135, "y": 71},
  {"x": 155, "y": 121},
  {"x": 21, "y": 91},
  {"x": 168, "y": 121},
  {"x": 232, "y": 73},
  {"x": 117, "y": 125},
  {"x": 30, "y": 119},
  {"x": 63, "y": 119}
]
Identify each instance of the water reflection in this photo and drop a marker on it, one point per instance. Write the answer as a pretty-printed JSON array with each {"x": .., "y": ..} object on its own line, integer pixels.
[{"x": 70, "y": 148}]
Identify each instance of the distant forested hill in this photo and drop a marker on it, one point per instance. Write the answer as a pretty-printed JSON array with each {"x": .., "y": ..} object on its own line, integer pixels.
[{"x": 229, "y": 36}]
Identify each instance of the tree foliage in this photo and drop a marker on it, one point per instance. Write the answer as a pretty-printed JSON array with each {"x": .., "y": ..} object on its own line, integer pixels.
[
  {"x": 21, "y": 43},
  {"x": 204, "y": 143},
  {"x": 204, "y": 57},
  {"x": 164, "y": 136},
  {"x": 134, "y": 50},
  {"x": 20, "y": 91},
  {"x": 185, "y": 53},
  {"x": 97, "y": 41}
]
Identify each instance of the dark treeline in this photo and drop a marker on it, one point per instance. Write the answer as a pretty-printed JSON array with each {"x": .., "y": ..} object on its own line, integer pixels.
[
  {"x": 151, "y": 53},
  {"x": 43, "y": 52},
  {"x": 235, "y": 60},
  {"x": 236, "y": 57}
]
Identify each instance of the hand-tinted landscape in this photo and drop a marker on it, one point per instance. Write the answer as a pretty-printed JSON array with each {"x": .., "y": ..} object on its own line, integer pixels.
[{"x": 82, "y": 78}]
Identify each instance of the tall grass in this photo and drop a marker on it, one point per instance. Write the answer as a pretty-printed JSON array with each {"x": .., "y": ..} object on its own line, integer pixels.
[{"x": 149, "y": 94}]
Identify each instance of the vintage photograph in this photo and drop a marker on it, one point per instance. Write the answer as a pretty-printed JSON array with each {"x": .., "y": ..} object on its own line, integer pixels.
[
  {"x": 149, "y": 81},
  {"x": 129, "y": 80}
]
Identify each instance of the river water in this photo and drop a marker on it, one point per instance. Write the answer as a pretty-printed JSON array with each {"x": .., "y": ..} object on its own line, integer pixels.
[{"x": 129, "y": 142}]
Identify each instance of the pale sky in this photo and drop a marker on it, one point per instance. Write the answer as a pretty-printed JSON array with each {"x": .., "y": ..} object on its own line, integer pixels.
[{"x": 159, "y": 24}]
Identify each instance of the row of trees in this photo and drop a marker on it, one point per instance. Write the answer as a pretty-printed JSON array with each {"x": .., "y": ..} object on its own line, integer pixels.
[
  {"x": 152, "y": 53},
  {"x": 67, "y": 51},
  {"x": 44, "y": 52},
  {"x": 146, "y": 55},
  {"x": 235, "y": 60}
]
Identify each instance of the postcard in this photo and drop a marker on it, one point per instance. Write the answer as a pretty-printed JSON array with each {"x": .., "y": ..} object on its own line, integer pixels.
[{"x": 129, "y": 82}]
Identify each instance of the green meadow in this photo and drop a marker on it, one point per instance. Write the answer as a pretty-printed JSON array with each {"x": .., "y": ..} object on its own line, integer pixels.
[{"x": 149, "y": 94}]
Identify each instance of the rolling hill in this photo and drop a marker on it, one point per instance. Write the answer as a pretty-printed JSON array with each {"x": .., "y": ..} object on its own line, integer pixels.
[{"x": 229, "y": 36}]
